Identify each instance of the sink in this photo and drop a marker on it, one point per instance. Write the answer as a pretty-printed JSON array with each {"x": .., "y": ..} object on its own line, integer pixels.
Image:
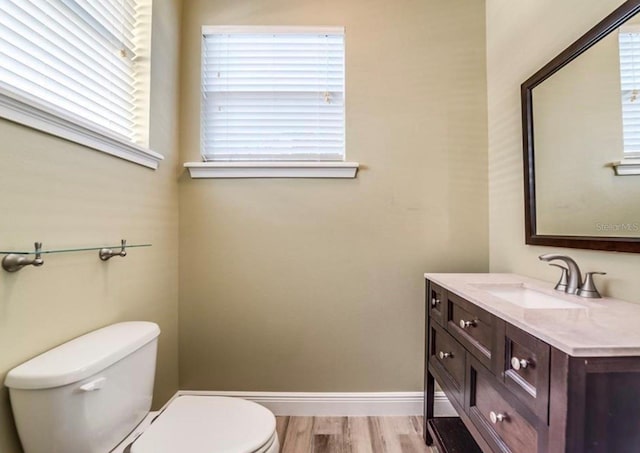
[{"x": 525, "y": 297}]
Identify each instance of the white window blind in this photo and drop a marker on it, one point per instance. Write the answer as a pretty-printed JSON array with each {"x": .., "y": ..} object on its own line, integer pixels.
[
  {"x": 272, "y": 93},
  {"x": 83, "y": 60},
  {"x": 629, "y": 46}
]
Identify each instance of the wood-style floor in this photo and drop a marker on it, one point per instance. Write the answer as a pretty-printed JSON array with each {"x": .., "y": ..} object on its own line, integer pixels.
[{"x": 351, "y": 435}]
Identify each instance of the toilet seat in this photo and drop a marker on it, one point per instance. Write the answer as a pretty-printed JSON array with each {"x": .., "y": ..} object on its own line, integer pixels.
[{"x": 210, "y": 424}]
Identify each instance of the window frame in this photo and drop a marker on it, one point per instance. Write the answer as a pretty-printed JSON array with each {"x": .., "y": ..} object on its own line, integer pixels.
[{"x": 38, "y": 114}]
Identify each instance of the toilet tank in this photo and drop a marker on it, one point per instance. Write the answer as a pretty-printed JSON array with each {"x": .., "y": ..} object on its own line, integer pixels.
[{"x": 86, "y": 395}]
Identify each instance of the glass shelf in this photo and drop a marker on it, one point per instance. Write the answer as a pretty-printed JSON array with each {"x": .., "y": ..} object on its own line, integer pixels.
[{"x": 79, "y": 249}]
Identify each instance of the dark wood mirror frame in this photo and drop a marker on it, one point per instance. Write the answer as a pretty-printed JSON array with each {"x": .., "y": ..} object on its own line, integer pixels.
[{"x": 616, "y": 244}]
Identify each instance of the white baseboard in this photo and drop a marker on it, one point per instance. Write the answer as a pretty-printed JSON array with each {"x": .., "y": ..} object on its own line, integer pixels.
[{"x": 338, "y": 404}]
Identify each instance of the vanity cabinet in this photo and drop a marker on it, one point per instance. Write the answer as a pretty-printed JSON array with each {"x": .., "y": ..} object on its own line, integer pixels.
[{"x": 515, "y": 393}]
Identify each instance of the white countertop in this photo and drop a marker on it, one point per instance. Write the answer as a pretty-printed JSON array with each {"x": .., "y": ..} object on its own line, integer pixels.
[{"x": 601, "y": 328}]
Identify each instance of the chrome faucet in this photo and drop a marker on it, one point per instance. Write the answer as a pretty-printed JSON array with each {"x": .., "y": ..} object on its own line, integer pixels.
[{"x": 574, "y": 277}]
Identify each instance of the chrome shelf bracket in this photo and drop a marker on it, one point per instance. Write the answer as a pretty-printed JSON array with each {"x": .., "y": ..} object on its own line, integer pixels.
[
  {"x": 13, "y": 262},
  {"x": 106, "y": 254}
]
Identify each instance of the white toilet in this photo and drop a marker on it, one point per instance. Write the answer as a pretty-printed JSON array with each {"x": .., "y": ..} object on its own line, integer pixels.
[{"x": 93, "y": 395}]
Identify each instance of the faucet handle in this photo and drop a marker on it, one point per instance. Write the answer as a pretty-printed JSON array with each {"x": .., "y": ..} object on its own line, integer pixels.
[
  {"x": 588, "y": 288},
  {"x": 563, "y": 283}
]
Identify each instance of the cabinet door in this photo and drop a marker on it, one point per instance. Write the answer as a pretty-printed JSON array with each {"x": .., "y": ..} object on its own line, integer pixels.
[{"x": 526, "y": 370}]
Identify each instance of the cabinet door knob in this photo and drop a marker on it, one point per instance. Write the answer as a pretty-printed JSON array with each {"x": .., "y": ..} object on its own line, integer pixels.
[
  {"x": 517, "y": 363},
  {"x": 464, "y": 324},
  {"x": 497, "y": 417},
  {"x": 435, "y": 301},
  {"x": 444, "y": 355}
]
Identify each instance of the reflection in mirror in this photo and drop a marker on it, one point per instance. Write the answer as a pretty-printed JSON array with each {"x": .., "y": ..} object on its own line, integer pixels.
[
  {"x": 587, "y": 117},
  {"x": 581, "y": 136}
]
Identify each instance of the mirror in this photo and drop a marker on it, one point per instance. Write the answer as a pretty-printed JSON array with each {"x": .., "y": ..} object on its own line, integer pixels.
[{"x": 581, "y": 137}]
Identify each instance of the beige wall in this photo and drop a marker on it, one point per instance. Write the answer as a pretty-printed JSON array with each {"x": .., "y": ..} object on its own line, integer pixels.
[
  {"x": 316, "y": 285},
  {"x": 521, "y": 37},
  {"x": 66, "y": 195}
]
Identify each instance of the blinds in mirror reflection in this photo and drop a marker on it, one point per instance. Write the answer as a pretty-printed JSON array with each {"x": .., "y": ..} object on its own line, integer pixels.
[{"x": 629, "y": 47}]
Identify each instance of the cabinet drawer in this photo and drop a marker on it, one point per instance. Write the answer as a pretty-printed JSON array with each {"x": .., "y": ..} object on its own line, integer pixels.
[
  {"x": 448, "y": 357},
  {"x": 436, "y": 302},
  {"x": 476, "y": 329},
  {"x": 526, "y": 370},
  {"x": 505, "y": 424}
]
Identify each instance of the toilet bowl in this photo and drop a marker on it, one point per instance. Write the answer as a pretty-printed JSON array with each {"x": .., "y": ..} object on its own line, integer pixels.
[{"x": 93, "y": 395}]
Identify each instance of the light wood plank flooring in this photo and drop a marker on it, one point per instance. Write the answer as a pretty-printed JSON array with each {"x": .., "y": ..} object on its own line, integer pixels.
[{"x": 351, "y": 435}]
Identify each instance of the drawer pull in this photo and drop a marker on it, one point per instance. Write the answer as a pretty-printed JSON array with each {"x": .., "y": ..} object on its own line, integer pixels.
[
  {"x": 445, "y": 355},
  {"x": 517, "y": 363},
  {"x": 465, "y": 324},
  {"x": 435, "y": 302},
  {"x": 497, "y": 417}
]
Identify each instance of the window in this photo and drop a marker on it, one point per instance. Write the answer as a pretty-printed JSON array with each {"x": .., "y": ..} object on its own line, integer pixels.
[
  {"x": 272, "y": 94},
  {"x": 629, "y": 42},
  {"x": 79, "y": 69}
]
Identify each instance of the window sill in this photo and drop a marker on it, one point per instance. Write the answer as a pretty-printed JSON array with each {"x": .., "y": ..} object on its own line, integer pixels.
[
  {"x": 214, "y": 170},
  {"x": 28, "y": 112},
  {"x": 627, "y": 167}
]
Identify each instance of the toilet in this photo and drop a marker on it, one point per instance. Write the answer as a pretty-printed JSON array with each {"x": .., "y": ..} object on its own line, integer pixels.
[{"x": 93, "y": 395}]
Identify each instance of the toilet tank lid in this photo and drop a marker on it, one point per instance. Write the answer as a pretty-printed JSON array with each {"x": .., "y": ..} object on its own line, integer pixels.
[{"x": 83, "y": 356}]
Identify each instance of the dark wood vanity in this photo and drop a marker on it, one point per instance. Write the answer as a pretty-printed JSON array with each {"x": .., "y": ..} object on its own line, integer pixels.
[
  {"x": 516, "y": 393},
  {"x": 563, "y": 376}
]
